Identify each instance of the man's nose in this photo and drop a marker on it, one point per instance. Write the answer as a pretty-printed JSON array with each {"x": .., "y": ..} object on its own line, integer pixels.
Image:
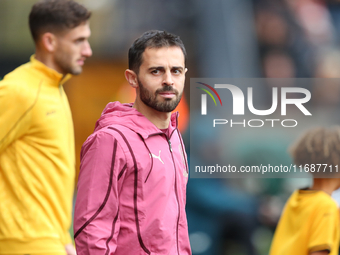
[
  {"x": 87, "y": 51},
  {"x": 168, "y": 78}
]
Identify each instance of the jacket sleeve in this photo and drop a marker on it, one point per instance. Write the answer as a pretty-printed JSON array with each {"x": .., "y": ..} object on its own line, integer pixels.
[
  {"x": 15, "y": 112},
  {"x": 96, "y": 216}
]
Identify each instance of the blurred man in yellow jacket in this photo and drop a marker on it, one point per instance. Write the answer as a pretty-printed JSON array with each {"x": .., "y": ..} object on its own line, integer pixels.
[{"x": 37, "y": 158}]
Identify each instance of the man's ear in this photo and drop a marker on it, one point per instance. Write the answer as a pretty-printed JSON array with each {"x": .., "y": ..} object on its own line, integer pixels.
[
  {"x": 131, "y": 77},
  {"x": 49, "y": 41}
]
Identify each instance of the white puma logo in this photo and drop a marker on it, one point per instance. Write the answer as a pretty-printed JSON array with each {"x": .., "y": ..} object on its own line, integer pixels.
[{"x": 157, "y": 157}]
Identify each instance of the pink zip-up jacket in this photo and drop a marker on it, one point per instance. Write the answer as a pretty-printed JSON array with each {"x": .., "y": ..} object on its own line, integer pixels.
[{"x": 131, "y": 187}]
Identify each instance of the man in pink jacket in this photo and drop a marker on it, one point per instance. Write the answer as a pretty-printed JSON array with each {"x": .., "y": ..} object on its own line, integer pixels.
[{"x": 134, "y": 171}]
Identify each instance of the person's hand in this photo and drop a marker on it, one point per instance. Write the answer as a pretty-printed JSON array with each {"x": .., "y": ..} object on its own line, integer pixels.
[{"x": 69, "y": 248}]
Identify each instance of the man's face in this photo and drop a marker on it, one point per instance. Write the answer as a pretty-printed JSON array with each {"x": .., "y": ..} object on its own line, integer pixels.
[
  {"x": 161, "y": 78},
  {"x": 72, "y": 49}
]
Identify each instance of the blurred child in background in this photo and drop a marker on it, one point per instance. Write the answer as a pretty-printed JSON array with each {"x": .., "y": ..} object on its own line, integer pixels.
[{"x": 309, "y": 223}]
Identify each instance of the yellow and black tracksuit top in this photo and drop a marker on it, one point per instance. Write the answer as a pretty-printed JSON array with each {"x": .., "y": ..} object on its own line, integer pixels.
[{"x": 37, "y": 161}]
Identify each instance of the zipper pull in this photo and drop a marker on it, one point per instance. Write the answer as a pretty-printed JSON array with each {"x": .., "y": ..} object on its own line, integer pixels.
[{"x": 170, "y": 145}]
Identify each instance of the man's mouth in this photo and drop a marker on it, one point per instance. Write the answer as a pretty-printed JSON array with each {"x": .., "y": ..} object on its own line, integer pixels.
[
  {"x": 167, "y": 94},
  {"x": 81, "y": 61}
]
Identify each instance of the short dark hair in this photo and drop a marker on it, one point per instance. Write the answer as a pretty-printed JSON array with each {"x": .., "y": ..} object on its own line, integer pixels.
[
  {"x": 318, "y": 146},
  {"x": 152, "y": 39},
  {"x": 56, "y": 16}
]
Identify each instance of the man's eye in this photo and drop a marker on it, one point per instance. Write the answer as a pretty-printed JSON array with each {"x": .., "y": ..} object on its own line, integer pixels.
[
  {"x": 155, "y": 71},
  {"x": 79, "y": 40},
  {"x": 177, "y": 71}
]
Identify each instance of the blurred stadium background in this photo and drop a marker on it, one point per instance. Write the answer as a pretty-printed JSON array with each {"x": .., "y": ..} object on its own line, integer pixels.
[{"x": 224, "y": 38}]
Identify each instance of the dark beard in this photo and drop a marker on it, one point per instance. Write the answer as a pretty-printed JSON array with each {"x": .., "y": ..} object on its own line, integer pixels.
[{"x": 151, "y": 100}]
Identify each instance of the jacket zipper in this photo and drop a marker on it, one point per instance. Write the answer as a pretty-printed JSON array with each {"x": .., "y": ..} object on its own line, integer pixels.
[
  {"x": 179, "y": 211},
  {"x": 173, "y": 161},
  {"x": 69, "y": 124}
]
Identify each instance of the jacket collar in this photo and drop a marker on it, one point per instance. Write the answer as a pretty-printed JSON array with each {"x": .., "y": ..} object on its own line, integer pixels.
[
  {"x": 125, "y": 115},
  {"x": 148, "y": 129},
  {"x": 51, "y": 74}
]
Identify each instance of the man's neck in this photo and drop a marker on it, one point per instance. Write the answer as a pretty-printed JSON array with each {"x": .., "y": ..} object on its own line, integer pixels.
[
  {"x": 159, "y": 119},
  {"x": 46, "y": 60}
]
